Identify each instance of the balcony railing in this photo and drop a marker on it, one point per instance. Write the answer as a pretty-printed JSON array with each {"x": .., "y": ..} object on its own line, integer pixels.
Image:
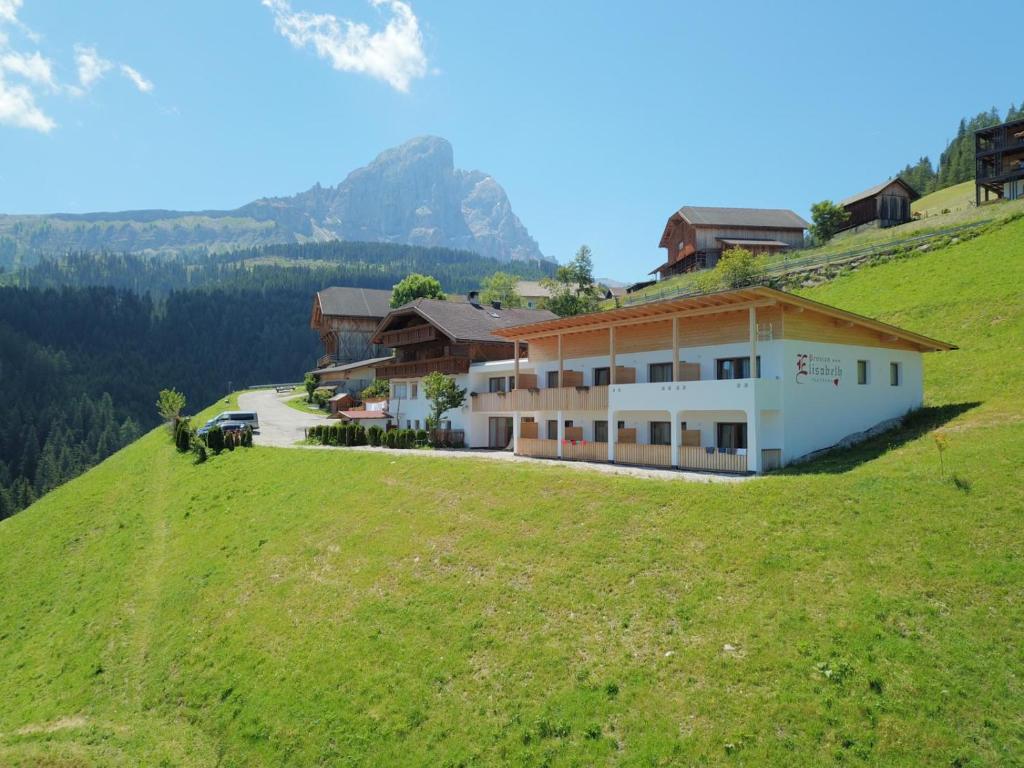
[
  {"x": 551, "y": 399},
  {"x": 324, "y": 360},
  {"x": 643, "y": 454},
  {"x": 416, "y": 368},
  {"x": 637, "y": 454},
  {"x": 403, "y": 336},
  {"x": 540, "y": 449}
]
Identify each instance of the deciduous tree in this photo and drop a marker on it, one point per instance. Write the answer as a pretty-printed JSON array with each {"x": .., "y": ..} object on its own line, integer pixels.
[{"x": 416, "y": 286}]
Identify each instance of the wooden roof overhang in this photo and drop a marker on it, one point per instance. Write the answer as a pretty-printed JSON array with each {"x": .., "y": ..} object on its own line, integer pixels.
[{"x": 712, "y": 304}]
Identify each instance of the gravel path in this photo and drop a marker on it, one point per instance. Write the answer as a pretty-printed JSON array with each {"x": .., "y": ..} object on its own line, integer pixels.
[{"x": 282, "y": 427}]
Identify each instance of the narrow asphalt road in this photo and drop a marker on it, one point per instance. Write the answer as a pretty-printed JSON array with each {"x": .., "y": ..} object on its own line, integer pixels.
[{"x": 280, "y": 425}]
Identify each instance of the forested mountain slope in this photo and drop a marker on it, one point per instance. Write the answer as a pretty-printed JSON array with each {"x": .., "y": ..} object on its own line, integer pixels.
[
  {"x": 87, "y": 340},
  {"x": 282, "y": 607}
]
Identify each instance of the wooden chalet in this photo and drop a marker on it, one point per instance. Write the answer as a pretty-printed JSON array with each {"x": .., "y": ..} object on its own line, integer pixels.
[
  {"x": 695, "y": 237},
  {"x": 999, "y": 159},
  {"x": 346, "y": 319},
  {"x": 430, "y": 335},
  {"x": 883, "y": 205}
]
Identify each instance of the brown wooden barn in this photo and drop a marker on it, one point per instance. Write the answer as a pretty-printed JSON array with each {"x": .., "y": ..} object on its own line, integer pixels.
[
  {"x": 346, "y": 319},
  {"x": 694, "y": 237},
  {"x": 887, "y": 203}
]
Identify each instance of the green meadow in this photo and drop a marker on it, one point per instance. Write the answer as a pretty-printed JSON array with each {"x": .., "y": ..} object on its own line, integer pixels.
[{"x": 332, "y": 608}]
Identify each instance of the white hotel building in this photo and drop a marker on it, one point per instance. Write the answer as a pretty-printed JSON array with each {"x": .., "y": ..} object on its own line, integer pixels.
[{"x": 671, "y": 383}]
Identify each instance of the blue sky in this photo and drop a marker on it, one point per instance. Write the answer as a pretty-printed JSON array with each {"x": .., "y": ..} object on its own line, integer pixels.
[{"x": 599, "y": 119}]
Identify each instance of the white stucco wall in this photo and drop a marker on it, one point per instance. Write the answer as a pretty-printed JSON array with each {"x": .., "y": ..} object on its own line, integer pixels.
[{"x": 820, "y": 409}]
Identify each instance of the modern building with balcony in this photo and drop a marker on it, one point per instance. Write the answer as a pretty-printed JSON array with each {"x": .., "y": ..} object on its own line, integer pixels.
[
  {"x": 999, "y": 160},
  {"x": 739, "y": 381}
]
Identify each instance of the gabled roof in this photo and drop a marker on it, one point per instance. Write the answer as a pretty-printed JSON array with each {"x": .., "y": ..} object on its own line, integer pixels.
[
  {"x": 354, "y": 302},
  {"x": 740, "y": 218},
  {"x": 878, "y": 188},
  {"x": 370, "y": 363},
  {"x": 365, "y": 415},
  {"x": 711, "y": 303},
  {"x": 462, "y": 321},
  {"x": 532, "y": 289}
]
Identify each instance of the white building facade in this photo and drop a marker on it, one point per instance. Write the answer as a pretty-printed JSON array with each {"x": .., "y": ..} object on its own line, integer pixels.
[{"x": 670, "y": 383}]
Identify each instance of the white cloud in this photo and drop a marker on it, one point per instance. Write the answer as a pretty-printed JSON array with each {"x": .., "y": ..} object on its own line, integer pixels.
[
  {"x": 34, "y": 68},
  {"x": 18, "y": 108},
  {"x": 24, "y": 75},
  {"x": 17, "y": 101},
  {"x": 394, "y": 54},
  {"x": 136, "y": 77},
  {"x": 9, "y": 10},
  {"x": 91, "y": 66}
]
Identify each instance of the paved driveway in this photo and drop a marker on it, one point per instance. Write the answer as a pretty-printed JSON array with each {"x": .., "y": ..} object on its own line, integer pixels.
[{"x": 280, "y": 425}]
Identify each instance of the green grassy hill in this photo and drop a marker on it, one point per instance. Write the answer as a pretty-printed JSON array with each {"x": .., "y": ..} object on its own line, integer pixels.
[
  {"x": 283, "y": 607},
  {"x": 958, "y": 197},
  {"x": 934, "y": 220}
]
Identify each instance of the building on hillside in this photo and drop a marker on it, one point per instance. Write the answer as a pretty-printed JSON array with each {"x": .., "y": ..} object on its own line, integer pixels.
[
  {"x": 533, "y": 294},
  {"x": 341, "y": 402},
  {"x": 450, "y": 337},
  {"x": 350, "y": 377},
  {"x": 999, "y": 160},
  {"x": 694, "y": 237},
  {"x": 374, "y": 413},
  {"x": 884, "y": 205},
  {"x": 345, "y": 319},
  {"x": 745, "y": 380}
]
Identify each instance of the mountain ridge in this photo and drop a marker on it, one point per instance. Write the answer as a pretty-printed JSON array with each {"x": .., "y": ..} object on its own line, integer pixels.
[{"x": 411, "y": 194}]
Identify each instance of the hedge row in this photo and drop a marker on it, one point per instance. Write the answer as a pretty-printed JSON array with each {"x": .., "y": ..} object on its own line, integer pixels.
[{"x": 356, "y": 434}]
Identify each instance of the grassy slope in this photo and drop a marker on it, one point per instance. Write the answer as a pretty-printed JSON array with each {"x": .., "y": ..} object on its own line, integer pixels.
[
  {"x": 329, "y": 608},
  {"x": 957, "y": 197}
]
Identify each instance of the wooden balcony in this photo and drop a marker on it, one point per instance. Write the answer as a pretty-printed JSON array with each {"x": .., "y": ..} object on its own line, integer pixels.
[
  {"x": 716, "y": 461},
  {"x": 325, "y": 360},
  {"x": 580, "y": 451},
  {"x": 635, "y": 454},
  {"x": 643, "y": 454},
  {"x": 540, "y": 449},
  {"x": 551, "y": 399},
  {"x": 416, "y": 368},
  {"x": 414, "y": 335}
]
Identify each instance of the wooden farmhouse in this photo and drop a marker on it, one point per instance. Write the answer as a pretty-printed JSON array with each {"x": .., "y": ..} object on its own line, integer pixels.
[
  {"x": 884, "y": 205},
  {"x": 695, "y": 237},
  {"x": 429, "y": 335},
  {"x": 346, "y": 319}
]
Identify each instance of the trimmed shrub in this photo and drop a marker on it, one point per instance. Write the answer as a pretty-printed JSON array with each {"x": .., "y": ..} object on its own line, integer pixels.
[
  {"x": 215, "y": 439},
  {"x": 373, "y": 435},
  {"x": 200, "y": 451},
  {"x": 359, "y": 435},
  {"x": 421, "y": 437},
  {"x": 247, "y": 437},
  {"x": 182, "y": 435},
  {"x": 230, "y": 438}
]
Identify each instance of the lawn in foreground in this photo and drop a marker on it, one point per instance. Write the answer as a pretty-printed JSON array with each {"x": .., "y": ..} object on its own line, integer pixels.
[{"x": 287, "y": 607}]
